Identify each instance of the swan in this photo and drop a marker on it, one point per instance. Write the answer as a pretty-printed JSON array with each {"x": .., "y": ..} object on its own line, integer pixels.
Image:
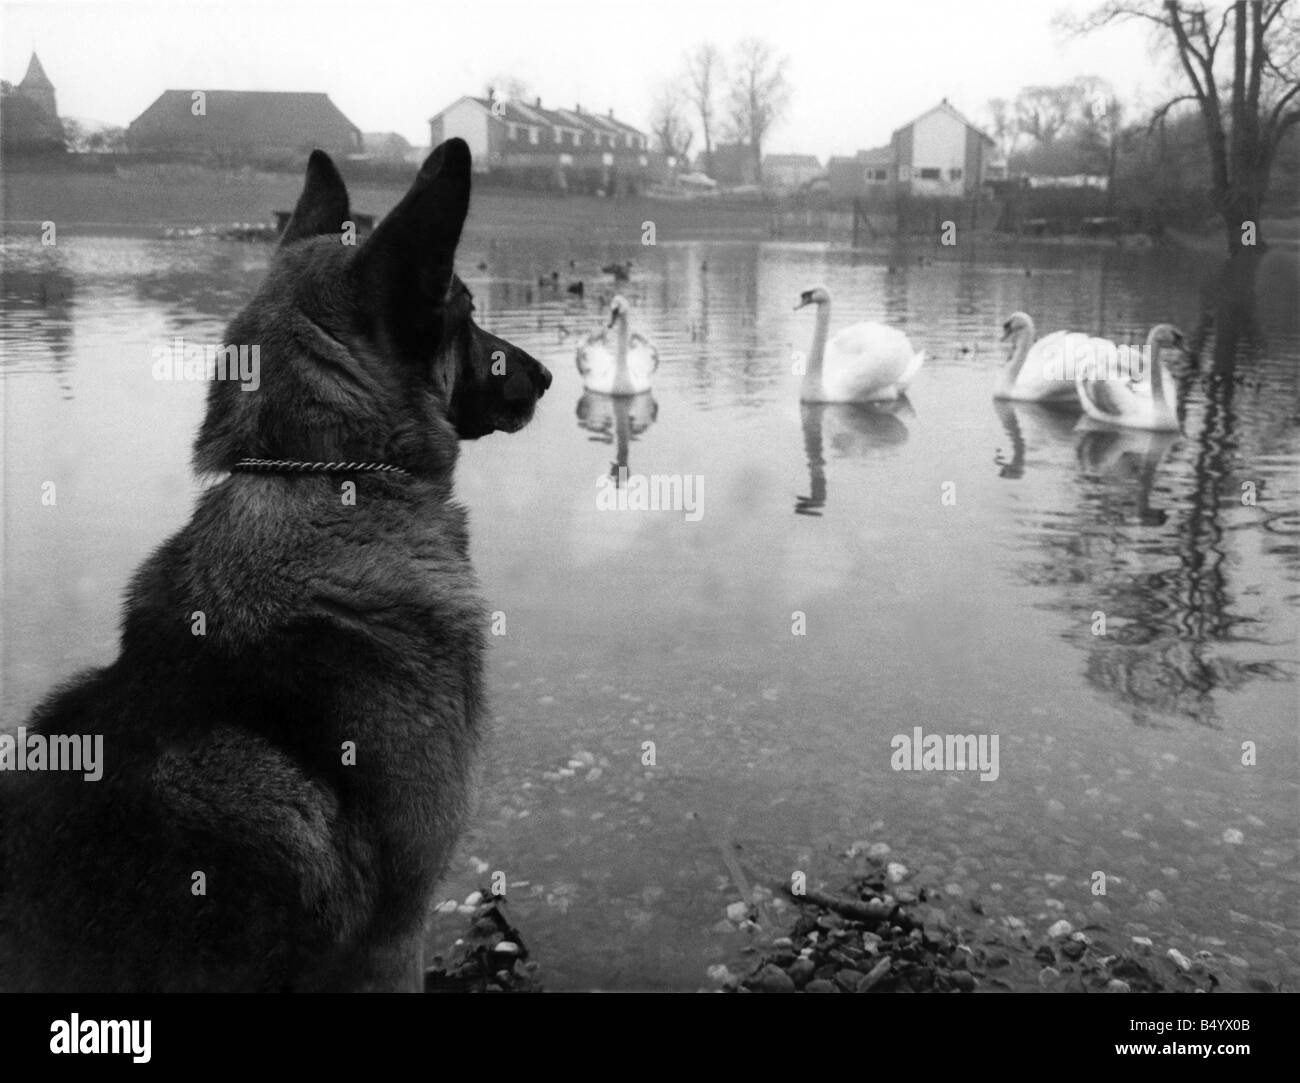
[
  {"x": 1144, "y": 398},
  {"x": 867, "y": 362},
  {"x": 621, "y": 367},
  {"x": 1044, "y": 371}
]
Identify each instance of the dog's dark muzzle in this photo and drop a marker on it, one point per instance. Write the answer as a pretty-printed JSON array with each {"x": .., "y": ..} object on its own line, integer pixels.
[{"x": 528, "y": 379}]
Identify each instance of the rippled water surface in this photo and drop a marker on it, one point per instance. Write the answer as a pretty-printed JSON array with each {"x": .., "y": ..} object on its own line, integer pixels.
[{"x": 1120, "y": 753}]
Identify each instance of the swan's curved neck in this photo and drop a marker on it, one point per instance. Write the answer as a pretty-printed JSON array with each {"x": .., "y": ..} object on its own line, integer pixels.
[
  {"x": 620, "y": 345},
  {"x": 1019, "y": 353},
  {"x": 813, "y": 373}
]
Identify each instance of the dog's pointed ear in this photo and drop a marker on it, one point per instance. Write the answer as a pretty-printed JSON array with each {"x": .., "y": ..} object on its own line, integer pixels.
[
  {"x": 407, "y": 262},
  {"x": 323, "y": 205}
]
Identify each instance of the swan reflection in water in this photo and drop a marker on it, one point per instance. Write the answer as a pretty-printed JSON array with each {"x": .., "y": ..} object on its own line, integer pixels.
[
  {"x": 618, "y": 420},
  {"x": 1054, "y": 421},
  {"x": 846, "y": 430},
  {"x": 1128, "y": 456}
]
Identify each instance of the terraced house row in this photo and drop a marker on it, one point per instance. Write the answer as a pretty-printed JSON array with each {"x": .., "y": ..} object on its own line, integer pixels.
[{"x": 568, "y": 149}]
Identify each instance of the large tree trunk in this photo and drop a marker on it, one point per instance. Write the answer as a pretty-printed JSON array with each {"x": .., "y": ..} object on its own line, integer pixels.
[{"x": 1238, "y": 208}]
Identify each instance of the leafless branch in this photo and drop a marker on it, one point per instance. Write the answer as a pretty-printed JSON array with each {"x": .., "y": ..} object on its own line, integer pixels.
[{"x": 1159, "y": 115}]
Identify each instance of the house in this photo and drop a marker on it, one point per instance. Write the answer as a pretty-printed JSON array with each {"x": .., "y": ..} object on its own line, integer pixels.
[
  {"x": 941, "y": 153},
  {"x": 784, "y": 173},
  {"x": 256, "y": 126},
  {"x": 542, "y": 147},
  {"x": 868, "y": 172},
  {"x": 29, "y": 113},
  {"x": 734, "y": 165}
]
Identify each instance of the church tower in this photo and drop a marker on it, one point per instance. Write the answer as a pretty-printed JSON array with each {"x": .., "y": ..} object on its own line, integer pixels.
[{"x": 36, "y": 87}]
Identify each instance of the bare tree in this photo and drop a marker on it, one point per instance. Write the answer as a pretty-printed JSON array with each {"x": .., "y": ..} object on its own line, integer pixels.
[
  {"x": 759, "y": 95},
  {"x": 1097, "y": 125},
  {"x": 1044, "y": 112},
  {"x": 1240, "y": 68},
  {"x": 704, "y": 73},
  {"x": 668, "y": 123},
  {"x": 1002, "y": 124}
]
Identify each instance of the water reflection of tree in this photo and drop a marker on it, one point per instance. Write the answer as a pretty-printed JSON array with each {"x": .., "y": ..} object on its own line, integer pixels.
[{"x": 1150, "y": 549}]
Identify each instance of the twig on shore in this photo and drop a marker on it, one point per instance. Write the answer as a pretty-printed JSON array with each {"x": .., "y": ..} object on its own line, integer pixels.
[{"x": 737, "y": 874}]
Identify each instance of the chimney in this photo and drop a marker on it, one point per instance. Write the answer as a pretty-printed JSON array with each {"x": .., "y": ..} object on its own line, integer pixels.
[
  {"x": 577, "y": 108},
  {"x": 537, "y": 104},
  {"x": 611, "y": 112},
  {"x": 492, "y": 93}
]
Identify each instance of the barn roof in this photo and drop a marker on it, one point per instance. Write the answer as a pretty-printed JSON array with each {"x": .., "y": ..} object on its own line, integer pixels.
[{"x": 250, "y": 116}]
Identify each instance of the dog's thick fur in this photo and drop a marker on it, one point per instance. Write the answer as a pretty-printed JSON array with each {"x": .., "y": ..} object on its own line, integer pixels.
[{"x": 329, "y": 626}]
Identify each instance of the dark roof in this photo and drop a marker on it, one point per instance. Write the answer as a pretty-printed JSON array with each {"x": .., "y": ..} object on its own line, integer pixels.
[
  {"x": 877, "y": 156},
  {"x": 36, "y": 79},
  {"x": 258, "y": 118}
]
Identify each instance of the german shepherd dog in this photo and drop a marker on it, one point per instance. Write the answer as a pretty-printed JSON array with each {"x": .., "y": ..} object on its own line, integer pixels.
[{"x": 281, "y": 793}]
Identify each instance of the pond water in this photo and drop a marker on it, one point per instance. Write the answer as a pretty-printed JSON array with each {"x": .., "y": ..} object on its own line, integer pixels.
[{"x": 1119, "y": 753}]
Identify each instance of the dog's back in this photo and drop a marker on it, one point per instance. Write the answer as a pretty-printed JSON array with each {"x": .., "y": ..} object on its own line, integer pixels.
[{"x": 289, "y": 729}]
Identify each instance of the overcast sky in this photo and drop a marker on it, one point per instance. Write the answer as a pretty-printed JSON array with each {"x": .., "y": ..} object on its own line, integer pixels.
[{"x": 858, "y": 68}]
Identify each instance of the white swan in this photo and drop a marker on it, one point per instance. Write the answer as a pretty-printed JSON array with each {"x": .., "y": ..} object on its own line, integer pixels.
[
  {"x": 1142, "y": 398},
  {"x": 1044, "y": 371},
  {"x": 621, "y": 367},
  {"x": 867, "y": 362}
]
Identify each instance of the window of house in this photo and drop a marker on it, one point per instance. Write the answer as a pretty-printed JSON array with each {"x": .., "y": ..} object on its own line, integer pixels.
[
  {"x": 577, "y": 139},
  {"x": 534, "y": 136},
  {"x": 559, "y": 136},
  {"x": 512, "y": 133},
  {"x": 954, "y": 174},
  {"x": 931, "y": 174},
  {"x": 877, "y": 175}
]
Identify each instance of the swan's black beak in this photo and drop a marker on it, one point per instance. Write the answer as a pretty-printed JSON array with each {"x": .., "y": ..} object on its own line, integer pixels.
[
  {"x": 613, "y": 317},
  {"x": 1006, "y": 331},
  {"x": 804, "y": 300},
  {"x": 1179, "y": 340}
]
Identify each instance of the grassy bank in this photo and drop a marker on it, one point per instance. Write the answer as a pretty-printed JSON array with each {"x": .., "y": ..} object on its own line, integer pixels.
[{"x": 144, "y": 201}]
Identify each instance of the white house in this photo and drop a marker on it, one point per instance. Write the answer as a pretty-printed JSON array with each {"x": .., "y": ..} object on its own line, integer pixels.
[
  {"x": 941, "y": 153},
  {"x": 510, "y": 134}
]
